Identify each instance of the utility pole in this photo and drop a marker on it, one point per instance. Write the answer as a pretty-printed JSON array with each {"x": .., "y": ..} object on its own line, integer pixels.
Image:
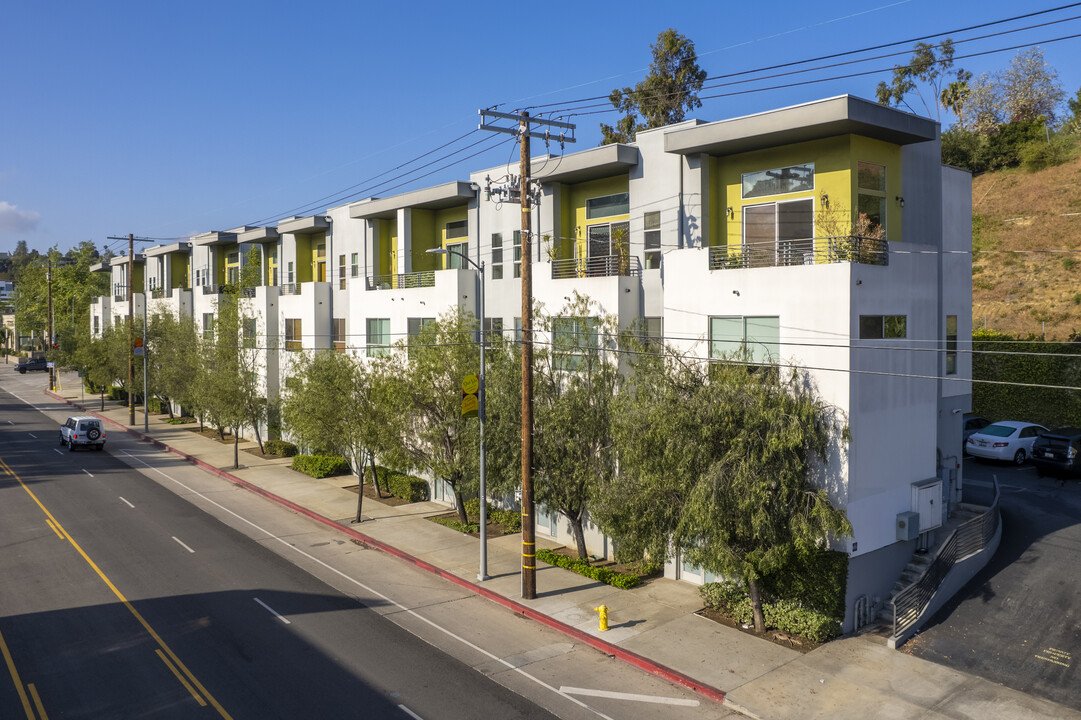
[
  {"x": 131, "y": 324},
  {"x": 49, "y": 319},
  {"x": 529, "y": 545}
]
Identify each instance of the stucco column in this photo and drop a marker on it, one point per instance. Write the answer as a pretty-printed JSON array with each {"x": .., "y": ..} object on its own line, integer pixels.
[{"x": 405, "y": 241}]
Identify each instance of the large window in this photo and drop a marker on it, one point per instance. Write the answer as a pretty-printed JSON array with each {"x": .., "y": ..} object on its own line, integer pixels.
[
  {"x": 883, "y": 327},
  {"x": 871, "y": 204},
  {"x": 208, "y": 326},
  {"x": 378, "y": 336},
  {"x": 457, "y": 229},
  {"x": 456, "y": 255},
  {"x": 517, "y": 253},
  {"x": 497, "y": 256},
  {"x": 232, "y": 268},
  {"x": 341, "y": 272},
  {"x": 572, "y": 340},
  {"x": 754, "y": 340},
  {"x": 293, "y": 334},
  {"x": 493, "y": 329},
  {"x": 951, "y": 344},
  {"x": 780, "y": 233},
  {"x": 608, "y": 239},
  {"x": 651, "y": 224},
  {"x": 607, "y": 206},
  {"x": 779, "y": 181},
  {"x": 337, "y": 338}
]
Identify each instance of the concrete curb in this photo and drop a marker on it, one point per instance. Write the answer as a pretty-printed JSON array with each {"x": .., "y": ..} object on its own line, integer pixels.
[{"x": 632, "y": 658}]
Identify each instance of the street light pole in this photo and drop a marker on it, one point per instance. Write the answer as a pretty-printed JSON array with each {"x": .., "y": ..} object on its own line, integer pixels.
[{"x": 482, "y": 574}]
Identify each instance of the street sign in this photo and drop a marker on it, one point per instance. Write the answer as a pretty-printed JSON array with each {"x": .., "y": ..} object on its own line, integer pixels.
[
  {"x": 138, "y": 351},
  {"x": 470, "y": 396}
]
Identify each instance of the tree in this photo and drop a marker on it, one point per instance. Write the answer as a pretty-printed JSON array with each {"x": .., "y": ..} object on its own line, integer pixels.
[
  {"x": 422, "y": 383},
  {"x": 1072, "y": 124},
  {"x": 929, "y": 64},
  {"x": 723, "y": 464},
  {"x": 1030, "y": 88},
  {"x": 175, "y": 360},
  {"x": 664, "y": 96}
]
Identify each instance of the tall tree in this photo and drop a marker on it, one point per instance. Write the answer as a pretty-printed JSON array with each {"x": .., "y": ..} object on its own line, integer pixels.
[
  {"x": 718, "y": 463},
  {"x": 664, "y": 96},
  {"x": 929, "y": 66},
  {"x": 1030, "y": 88}
]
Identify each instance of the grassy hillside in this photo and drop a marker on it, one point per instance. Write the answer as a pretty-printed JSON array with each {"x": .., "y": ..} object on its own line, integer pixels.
[{"x": 1027, "y": 292}]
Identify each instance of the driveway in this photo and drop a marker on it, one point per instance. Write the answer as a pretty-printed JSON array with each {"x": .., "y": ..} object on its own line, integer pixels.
[{"x": 1018, "y": 622}]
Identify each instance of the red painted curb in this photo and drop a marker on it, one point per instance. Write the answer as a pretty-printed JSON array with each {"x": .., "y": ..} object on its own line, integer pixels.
[{"x": 632, "y": 658}]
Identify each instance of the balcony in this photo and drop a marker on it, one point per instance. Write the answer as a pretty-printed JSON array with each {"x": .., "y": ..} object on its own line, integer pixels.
[
  {"x": 212, "y": 289},
  {"x": 159, "y": 293},
  {"x": 809, "y": 251},
  {"x": 290, "y": 289},
  {"x": 603, "y": 266},
  {"x": 424, "y": 279}
]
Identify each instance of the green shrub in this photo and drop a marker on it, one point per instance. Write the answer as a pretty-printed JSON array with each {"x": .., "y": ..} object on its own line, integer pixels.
[
  {"x": 604, "y": 575},
  {"x": 818, "y": 579},
  {"x": 788, "y": 616},
  {"x": 156, "y": 405},
  {"x": 320, "y": 466},
  {"x": 407, "y": 487},
  {"x": 454, "y": 524},
  {"x": 281, "y": 448},
  {"x": 509, "y": 519},
  {"x": 117, "y": 393},
  {"x": 186, "y": 420}
]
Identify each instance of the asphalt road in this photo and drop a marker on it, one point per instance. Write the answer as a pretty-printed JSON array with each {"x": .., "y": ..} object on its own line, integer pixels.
[
  {"x": 1018, "y": 622},
  {"x": 136, "y": 585}
]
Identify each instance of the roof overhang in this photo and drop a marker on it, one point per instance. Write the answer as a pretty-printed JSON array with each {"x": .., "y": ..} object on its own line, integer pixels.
[
  {"x": 309, "y": 224},
  {"x": 831, "y": 117},
  {"x": 102, "y": 266},
  {"x": 440, "y": 197},
  {"x": 259, "y": 235},
  {"x": 177, "y": 247},
  {"x": 123, "y": 259},
  {"x": 594, "y": 164},
  {"x": 214, "y": 238}
]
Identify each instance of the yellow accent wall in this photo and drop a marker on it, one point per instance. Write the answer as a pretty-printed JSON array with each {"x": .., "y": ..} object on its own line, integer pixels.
[
  {"x": 179, "y": 271},
  {"x": 386, "y": 261},
  {"x": 572, "y": 240},
  {"x": 835, "y": 160},
  {"x": 305, "y": 254},
  {"x": 225, "y": 251},
  {"x": 425, "y": 234},
  {"x": 442, "y": 217}
]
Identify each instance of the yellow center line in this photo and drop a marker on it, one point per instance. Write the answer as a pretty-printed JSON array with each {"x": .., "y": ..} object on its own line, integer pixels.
[
  {"x": 15, "y": 678},
  {"x": 55, "y": 529},
  {"x": 120, "y": 596},
  {"x": 181, "y": 678},
  {"x": 37, "y": 701}
]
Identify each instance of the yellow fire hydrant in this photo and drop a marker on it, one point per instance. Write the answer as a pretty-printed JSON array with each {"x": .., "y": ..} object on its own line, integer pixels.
[{"x": 603, "y": 612}]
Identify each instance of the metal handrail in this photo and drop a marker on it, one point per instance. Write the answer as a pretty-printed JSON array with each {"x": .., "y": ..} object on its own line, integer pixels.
[
  {"x": 805, "y": 251},
  {"x": 211, "y": 289},
  {"x": 967, "y": 540},
  {"x": 424, "y": 279},
  {"x": 290, "y": 289},
  {"x": 598, "y": 266}
]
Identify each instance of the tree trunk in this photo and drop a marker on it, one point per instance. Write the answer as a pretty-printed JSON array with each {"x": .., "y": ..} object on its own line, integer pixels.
[
  {"x": 236, "y": 448},
  {"x": 459, "y": 505},
  {"x": 756, "y": 606},
  {"x": 103, "y": 398},
  {"x": 258, "y": 437},
  {"x": 375, "y": 475},
  {"x": 579, "y": 536},
  {"x": 360, "y": 488}
]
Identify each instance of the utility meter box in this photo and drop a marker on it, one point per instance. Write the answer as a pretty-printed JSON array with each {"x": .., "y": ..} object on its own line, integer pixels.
[{"x": 908, "y": 525}]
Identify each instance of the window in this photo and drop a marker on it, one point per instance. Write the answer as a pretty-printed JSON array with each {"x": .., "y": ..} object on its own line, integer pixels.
[
  {"x": 456, "y": 255},
  {"x": 289, "y": 272},
  {"x": 651, "y": 223},
  {"x": 232, "y": 268},
  {"x": 337, "y": 338},
  {"x": 517, "y": 329},
  {"x": 871, "y": 203},
  {"x": 607, "y": 206},
  {"x": 652, "y": 335},
  {"x": 951, "y": 344},
  {"x": 378, "y": 336},
  {"x": 608, "y": 239},
  {"x": 572, "y": 340},
  {"x": 355, "y": 261},
  {"x": 497, "y": 256},
  {"x": 755, "y": 340},
  {"x": 780, "y": 233},
  {"x": 517, "y": 253},
  {"x": 880, "y": 327},
  {"x": 97, "y": 324},
  {"x": 341, "y": 272},
  {"x": 294, "y": 337},
  {"x": 779, "y": 181},
  {"x": 417, "y": 325},
  {"x": 493, "y": 329},
  {"x": 249, "y": 333},
  {"x": 457, "y": 229},
  {"x": 208, "y": 326}
]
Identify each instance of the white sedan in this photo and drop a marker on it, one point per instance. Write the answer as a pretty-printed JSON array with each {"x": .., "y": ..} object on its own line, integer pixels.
[{"x": 1007, "y": 440}]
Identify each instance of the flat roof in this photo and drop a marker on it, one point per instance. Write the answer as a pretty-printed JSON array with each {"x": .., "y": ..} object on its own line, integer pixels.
[
  {"x": 214, "y": 238},
  {"x": 311, "y": 223},
  {"x": 259, "y": 234},
  {"x": 842, "y": 115},
  {"x": 177, "y": 247},
  {"x": 593, "y": 164},
  {"x": 440, "y": 197}
]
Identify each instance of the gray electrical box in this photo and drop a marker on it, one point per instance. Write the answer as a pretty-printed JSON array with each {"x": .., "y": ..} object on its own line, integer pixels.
[{"x": 908, "y": 525}]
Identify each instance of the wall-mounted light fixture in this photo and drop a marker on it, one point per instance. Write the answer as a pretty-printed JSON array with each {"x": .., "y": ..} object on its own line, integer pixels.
[
  {"x": 900, "y": 200},
  {"x": 825, "y": 199},
  {"x": 728, "y": 211},
  {"x": 736, "y": 293}
]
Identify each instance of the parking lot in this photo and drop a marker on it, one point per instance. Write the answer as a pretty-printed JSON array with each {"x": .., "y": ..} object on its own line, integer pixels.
[{"x": 1018, "y": 622}]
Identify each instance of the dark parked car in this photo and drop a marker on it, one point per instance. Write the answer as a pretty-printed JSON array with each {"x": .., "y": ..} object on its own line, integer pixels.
[
  {"x": 973, "y": 424},
  {"x": 31, "y": 364},
  {"x": 1058, "y": 451}
]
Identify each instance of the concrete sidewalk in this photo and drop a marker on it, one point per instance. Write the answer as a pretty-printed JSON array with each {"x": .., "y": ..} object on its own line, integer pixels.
[{"x": 654, "y": 626}]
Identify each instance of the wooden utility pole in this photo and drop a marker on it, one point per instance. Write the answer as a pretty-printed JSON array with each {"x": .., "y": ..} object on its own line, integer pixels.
[
  {"x": 523, "y": 133},
  {"x": 529, "y": 544},
  {"x": 131, "y": 330}
]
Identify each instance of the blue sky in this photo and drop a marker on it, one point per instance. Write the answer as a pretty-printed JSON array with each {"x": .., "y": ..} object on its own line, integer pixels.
[{"x": 166, "y": 119}]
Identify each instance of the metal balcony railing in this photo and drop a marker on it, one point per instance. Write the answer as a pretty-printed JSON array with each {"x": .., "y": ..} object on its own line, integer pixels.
[
  {"x": 967, "y": 540},
  {"x": 403, "y": 281},
  {"x": 603, "y": 266},
  {"x": 159, "y": 293},
  {"x": 290, "y": 289},
  {"x": 808, "y": 251},
  {"x": 211, "y": 289}
]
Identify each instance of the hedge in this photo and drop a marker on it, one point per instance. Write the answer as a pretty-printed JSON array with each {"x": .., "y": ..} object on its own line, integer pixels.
[
  {"x": 509, "y": 519},
  {"x": 790, "y": 616},
  {"x": 281, "y": 448},
  {"x": 320, "y": 466},
  {"x": 819, "y": 580},
  {"x": 407, "y": 487},
  {"x": 600, "y": 574}
]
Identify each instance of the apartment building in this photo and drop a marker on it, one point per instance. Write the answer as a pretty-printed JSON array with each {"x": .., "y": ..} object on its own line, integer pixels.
[{"x": 825, "y": 236}]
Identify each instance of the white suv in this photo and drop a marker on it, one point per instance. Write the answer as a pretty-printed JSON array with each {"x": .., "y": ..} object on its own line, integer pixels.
[{"x": 82, "y": 430}]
